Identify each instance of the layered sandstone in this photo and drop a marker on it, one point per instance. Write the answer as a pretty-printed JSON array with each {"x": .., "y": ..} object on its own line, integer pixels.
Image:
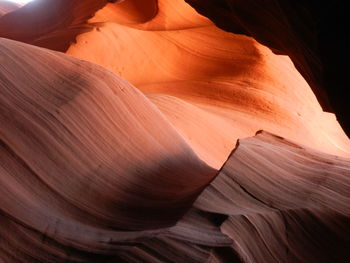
[{"x": 140, "y": 144}]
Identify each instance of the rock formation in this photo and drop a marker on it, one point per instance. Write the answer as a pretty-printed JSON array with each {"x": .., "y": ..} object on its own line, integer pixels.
[
  {"x": 310, "y": 32},
  {"x": 140, "y": 144}
]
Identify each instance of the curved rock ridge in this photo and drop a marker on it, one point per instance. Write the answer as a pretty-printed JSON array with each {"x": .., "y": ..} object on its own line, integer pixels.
[
  {"x": 151, "y": 15},
  {"x": 84, "y": 156},
  {"x": 203, "y": 78},
  {"x": 285, "y": 202},
  {"x": 138, "y": 156},
  {"x": 272, "y": 201}
]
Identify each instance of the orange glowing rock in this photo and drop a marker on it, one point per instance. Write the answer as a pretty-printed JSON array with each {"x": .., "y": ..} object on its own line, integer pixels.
[{"x": 140, "y": 145}]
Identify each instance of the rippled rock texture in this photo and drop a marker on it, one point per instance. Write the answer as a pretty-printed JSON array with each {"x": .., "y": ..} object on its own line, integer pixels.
[
  {"x": 310, "y": 32},
  {"x": 140, "y": 144}
]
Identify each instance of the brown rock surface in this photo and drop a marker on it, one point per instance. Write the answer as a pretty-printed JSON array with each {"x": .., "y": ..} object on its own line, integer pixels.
[
  {"x": 134, "y": 157},
  {"x": 79, "y": 158},
  {"x": 285, "y": 202}
]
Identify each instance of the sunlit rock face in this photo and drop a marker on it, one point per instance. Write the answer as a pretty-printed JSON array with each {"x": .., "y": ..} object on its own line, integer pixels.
[
  {"x": 190, "y": 68},
  {"x": 140, "y": 144},
  {"x": 310, "y": 32}
]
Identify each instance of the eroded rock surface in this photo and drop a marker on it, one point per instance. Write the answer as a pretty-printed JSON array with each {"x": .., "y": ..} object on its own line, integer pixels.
[{"x": 138, "y": 156}]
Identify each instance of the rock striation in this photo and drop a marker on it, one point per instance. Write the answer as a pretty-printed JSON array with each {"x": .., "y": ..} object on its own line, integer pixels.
[{"x": 140, "y": 144}]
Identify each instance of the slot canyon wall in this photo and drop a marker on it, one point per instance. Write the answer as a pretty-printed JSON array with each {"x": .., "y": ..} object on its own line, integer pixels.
[{"x": 173, "y": 131}]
